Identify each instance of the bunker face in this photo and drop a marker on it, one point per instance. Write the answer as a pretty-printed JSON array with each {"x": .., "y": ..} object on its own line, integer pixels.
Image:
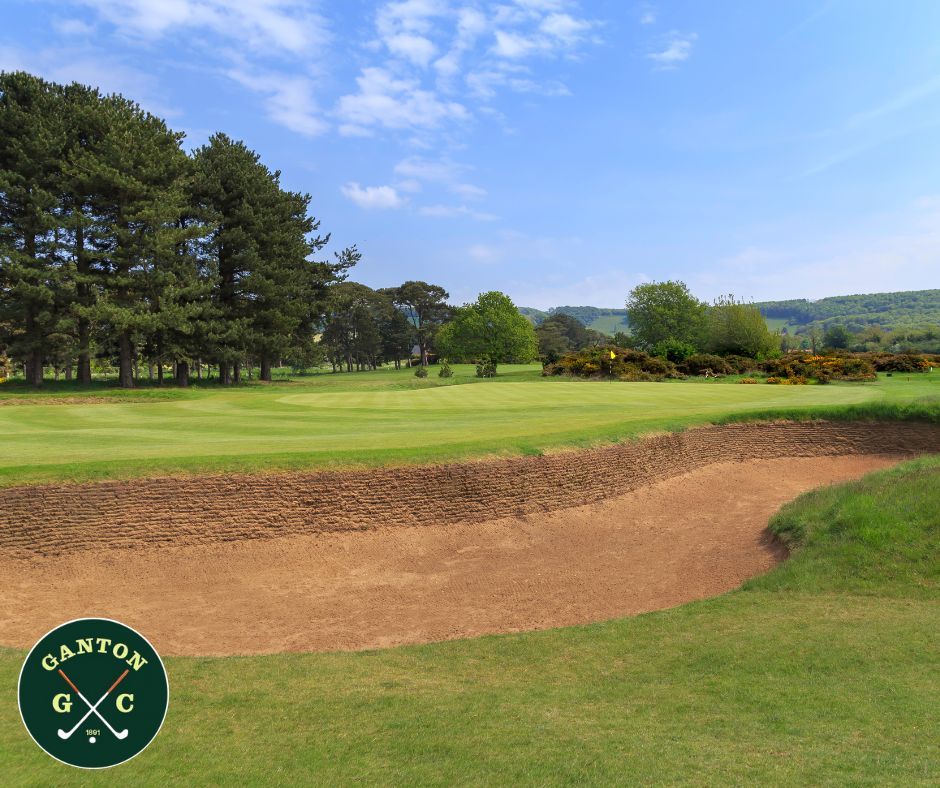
[{"x": 362, "y": 560}]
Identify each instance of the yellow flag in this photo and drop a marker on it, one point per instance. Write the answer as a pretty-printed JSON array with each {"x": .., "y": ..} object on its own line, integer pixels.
[{"x": 612, "y": 355}]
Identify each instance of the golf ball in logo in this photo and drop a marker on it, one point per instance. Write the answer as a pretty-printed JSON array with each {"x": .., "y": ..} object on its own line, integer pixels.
[{"x": 93, "y": 693}]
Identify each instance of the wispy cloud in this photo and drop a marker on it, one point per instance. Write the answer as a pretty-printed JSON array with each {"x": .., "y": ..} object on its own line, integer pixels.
[
  {"x": 876, "y": 260},
  {"x": 81, "y": 63},
  {"x": 902, "y": 100},
  {"x": 676, "y": 48},
  {"x": 252, "y": 38},
  {"x": 456, "y": 211},
  {"x": 369, "y": 197},
  {"x": 72, "y": 27},
  {"x": 288, "y": 26},
  {"x": 417, "y": 170},
  {"x": 288, "y": 100}
]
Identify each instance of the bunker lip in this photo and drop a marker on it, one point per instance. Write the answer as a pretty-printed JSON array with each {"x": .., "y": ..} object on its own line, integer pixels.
[
  {"x": 353, "y": 560},
  {"x": 62, "y": 518}
]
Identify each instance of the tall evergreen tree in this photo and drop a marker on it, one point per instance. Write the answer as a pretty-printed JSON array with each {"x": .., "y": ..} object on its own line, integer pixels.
[
  {"x": 230, "y": 184},
  {"x": 140, "y": 199},
  {"x": 31, "y": 145},
  {"x": 85, "y": 130}
]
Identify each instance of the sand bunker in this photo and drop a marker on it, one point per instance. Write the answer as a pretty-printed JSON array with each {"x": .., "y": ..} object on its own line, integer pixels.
[{"x": 200, "y": 578}]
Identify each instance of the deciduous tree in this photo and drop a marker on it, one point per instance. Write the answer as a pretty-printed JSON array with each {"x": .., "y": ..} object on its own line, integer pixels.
[{"x": 490, "y": 330}]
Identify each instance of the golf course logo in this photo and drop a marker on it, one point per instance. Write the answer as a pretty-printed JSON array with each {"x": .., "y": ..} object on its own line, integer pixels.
[{"x": 93, "y": 693}]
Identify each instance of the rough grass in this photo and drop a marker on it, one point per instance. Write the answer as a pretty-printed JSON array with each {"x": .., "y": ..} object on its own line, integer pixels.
[
  {"x": 390, "y": 417},
  {"x": 878, "y": 536},
  {"x": 822, "y": 672}
]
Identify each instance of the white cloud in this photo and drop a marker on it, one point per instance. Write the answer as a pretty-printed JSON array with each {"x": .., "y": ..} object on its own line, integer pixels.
[
  {"x": 455, "y": 211},
  {"x": 418, "y": 49},
  {"x": 416, "y": 169},
  {"x": 648, "y": 18},
  {"x": 471, "y": 24},
  {"x": 565, "y": 28},
  {"x": 513, "y": 45},
  {"x": 409, "y": 15},
  {"x": 472, "y": 48},
  {"x": 677, "y": 48},
  {"x": 468, "y": 191},
  {"x": 264, "y": 25},
  {"x": 394, "y": 103},
  {"x": 441, "y": 171},
  {"x": 484, "y": 84},
  {"x": 289, "y": 101},
  {"x": 381, "y": 197},
  {"x": 72, "y": 27},
  {"x": 242, "y": 34}
]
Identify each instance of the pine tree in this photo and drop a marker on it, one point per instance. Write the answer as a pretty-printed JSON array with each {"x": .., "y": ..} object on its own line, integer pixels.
[
  {"x": 229, "y": 182},
  {"x": 140, "y": 198},
  {"x": 85, "y": 129},
  {"x": 31, "y": 279}
]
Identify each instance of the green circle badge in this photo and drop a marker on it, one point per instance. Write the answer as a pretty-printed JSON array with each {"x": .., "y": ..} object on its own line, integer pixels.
[{"x": 93, "y": 693}]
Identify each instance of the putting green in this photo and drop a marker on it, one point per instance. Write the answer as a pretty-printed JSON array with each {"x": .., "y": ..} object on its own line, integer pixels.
[{"x": 375, "y": 418}]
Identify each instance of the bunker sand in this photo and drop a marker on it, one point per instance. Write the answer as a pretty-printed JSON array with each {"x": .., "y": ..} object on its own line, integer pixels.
[{"x": 694, "y": 534}]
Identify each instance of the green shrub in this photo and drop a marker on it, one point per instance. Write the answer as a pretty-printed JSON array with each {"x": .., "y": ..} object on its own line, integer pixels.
[
  {"x": 421, "y": 372},
  {"x": 674, "y": 350},
  {"x": 486, "y": 368},
  {"x": 445, "y": 370}
]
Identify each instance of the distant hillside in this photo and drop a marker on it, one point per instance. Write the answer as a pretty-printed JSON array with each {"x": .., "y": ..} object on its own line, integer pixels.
[
  {"x": 607, "y": 321},
  {"x": 891, "y": 311}
]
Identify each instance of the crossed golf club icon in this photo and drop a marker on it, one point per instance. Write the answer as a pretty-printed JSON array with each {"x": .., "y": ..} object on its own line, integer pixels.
[{"x": 93, "y": 709}]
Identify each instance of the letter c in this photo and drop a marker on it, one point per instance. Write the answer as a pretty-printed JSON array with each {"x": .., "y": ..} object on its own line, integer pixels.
[{"x": 120, "y": 702}]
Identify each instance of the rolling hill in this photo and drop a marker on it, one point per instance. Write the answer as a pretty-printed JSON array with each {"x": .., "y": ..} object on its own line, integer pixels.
[{"x": 890, "y": 311}]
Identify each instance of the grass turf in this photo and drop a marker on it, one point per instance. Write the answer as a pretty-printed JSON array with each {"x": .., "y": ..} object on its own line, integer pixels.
[
  {"x": 388, "y": 417},
  {"x": 824, "y": 671}
]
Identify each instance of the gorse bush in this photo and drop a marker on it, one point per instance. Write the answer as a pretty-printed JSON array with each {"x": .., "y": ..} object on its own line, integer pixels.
[
  {"x": 899, "y": 362},
  {"x": 612, "y": 362},
  {"x": 741, "y": 364},
  {"x": 700, "y": 362},
  {"x": 822, "y": 368}
]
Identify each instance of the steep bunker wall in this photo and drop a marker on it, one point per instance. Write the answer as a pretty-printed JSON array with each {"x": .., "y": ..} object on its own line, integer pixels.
[{"x": 56, "y": 519}]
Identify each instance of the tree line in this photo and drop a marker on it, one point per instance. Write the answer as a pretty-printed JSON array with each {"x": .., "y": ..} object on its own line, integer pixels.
[{"x": 118, "y": 246}]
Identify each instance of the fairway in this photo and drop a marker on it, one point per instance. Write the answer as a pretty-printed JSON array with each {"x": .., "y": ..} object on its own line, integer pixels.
[{"x": 374, "y": 418}]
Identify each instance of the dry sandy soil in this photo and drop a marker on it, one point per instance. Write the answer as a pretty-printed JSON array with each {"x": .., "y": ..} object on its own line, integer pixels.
[{"x": 661, "y": 544}]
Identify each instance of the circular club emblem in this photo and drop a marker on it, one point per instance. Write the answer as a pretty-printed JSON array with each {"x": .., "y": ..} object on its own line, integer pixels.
[{"x": 93, "y": 693}]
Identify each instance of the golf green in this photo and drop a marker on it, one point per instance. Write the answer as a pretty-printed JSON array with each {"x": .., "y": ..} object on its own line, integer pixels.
[{"x": 384, "y": 417}]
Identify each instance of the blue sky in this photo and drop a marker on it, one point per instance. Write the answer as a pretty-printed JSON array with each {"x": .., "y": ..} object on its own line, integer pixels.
[{"x": 559, "y": 151}]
